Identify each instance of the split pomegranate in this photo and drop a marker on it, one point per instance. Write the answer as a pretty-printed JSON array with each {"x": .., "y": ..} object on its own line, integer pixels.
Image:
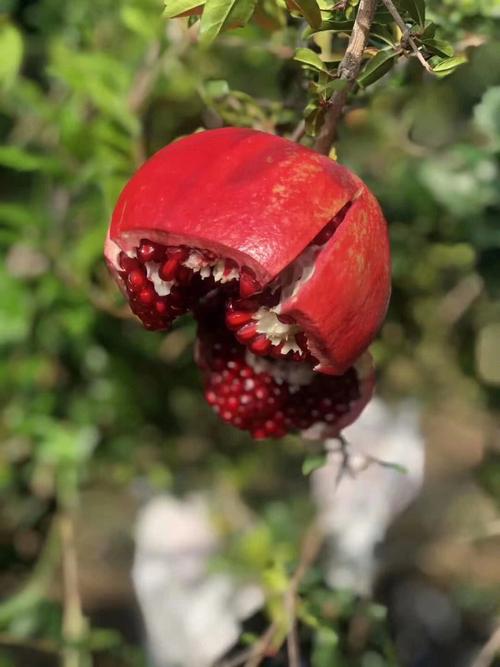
[{"x": 282, "y": 256}]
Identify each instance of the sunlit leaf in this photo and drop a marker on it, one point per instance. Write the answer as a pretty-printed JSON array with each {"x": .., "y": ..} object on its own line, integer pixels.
[
  {"x": 218, "y": 14},
  {"x": 311, "y": 59},
  {"x": 175, "y": 8},
  {"x": 310, "y": 11},
  {"x": 438, "y": 47},
  {"x": 449, "y": 65}
]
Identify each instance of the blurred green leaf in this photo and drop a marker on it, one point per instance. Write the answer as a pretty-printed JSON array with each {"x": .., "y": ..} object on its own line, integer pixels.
[
  {"x": 11, "y": 53},
  {"x": 20, "y": 159},
  {"x": 217, "y": 88},
  {"x": 15, "y": 311},
  {"x": 487, "y": 116},
  {"x": 312, "y": 463},
  {"x": 138, "y": 21}
]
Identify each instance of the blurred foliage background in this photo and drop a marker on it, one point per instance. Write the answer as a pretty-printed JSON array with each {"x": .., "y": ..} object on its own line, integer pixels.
[{"x": 99, "y": 415}]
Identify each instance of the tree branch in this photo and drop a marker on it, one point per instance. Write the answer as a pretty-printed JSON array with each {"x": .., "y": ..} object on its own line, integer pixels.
[
  {"x": 348, "y": 71},
  {"x": 391, "y": 8}
]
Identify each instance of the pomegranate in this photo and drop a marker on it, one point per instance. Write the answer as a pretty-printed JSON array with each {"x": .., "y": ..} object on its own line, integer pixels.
[{"x": 280, "y": 253}]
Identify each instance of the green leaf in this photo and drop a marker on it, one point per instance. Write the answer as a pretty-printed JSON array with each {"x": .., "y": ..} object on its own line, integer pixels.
[
  {"x": 379, "y": 65},
  {"x": 430, "y": 31},
  {"x": 383, "y": 33},
  {"x": 449, "y": 65},
  {"x": 310, "y": 59},
  {"x": 11, "y": 53},
  {"x": 416, "y": 10},
  {"x": 19, "y": 159},
  {"x": 174, "y": 8},
  {"x": 310, "y": 11},
  {"x": 312, "y": 463},
  {"x": 331, "y": 87},
  {"x": 438, "y": 47},
  {"x": 329, "y": 26},
  {"x": 220, "y": 13},
  {"x": 241, "y": 13}
]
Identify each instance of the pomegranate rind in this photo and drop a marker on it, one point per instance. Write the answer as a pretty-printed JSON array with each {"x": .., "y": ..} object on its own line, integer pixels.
[
  {"x": 260, "y": 200},
  {"x": 343, "y": 304},
  {"x": 246, "y": 195}
]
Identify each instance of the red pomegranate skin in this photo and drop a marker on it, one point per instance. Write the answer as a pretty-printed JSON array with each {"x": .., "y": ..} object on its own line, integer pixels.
[{"x": 260, "y": 200}]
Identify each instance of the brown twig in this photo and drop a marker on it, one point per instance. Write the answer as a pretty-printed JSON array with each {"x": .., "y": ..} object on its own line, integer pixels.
[
  {"x": 254, "y": 655},
  {"x": 145, "y": 78},
  {"x": 40, "y": 645},
  {"x": 261, "y": 646},
  {"x": 489, "y": 652},
  {"x": 299, "y": 131},
  {"x": 348, "y": 71},
  {"x": 74, "y": 625},
  {"x": 406, "y": 34},
  {"x": 311, "y": 546}
]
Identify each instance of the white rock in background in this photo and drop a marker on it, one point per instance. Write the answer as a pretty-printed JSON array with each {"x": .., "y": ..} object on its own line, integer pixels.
[
  {"x": 192, "y": 616},
  {"x": 356, "y": 514}
]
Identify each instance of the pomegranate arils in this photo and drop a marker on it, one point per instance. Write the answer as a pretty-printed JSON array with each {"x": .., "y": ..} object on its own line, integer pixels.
[
  {"x": 268, "y": 406},
  {"x": 150, "y": 252},
  {"x": 237, "y": 318},
  {"x": 260, "y": 344},
  {"x": 248, "y": 283},
  {"x": 171, "y": 265}
]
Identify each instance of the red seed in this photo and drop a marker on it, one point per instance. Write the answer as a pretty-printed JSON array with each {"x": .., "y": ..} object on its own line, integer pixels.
[
  {"x": 161, "y": 306},
  {"x": 237, "y": 318},
  {"x": 248, "y": 283},
  {"x": 260, "y": 345},
  {"x": 169, "y": 268},
  {"x": 147, "y": 296},
  {"x": 150, "y": 252},
  {"x": 128, "y": 263},
  {"x": 247, "y": 332},
  {"x": 184, "y": 275},
  {"x": 137, "y": 280}
]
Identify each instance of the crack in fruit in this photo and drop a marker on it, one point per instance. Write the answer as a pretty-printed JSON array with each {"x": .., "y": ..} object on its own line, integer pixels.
[{"x": 280, "y": 254}]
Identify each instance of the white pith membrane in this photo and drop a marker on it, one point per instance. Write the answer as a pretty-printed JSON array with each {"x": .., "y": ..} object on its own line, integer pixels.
[
  {"x": 295, "y": 373},
  {"x": 161, "y": 287}
]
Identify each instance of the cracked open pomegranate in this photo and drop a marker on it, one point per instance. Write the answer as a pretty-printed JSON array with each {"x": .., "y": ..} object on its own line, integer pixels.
[{"x": 280, "y": 254}]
